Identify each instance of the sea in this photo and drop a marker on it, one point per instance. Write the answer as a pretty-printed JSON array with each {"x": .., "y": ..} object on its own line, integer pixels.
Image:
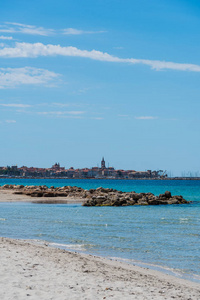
[{"x": 165, "y": 238}]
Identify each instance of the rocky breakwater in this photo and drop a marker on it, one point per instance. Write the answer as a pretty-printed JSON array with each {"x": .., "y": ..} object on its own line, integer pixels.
[
  {"x": 110, "y": 197},
  {"x": 94, "y": 197}
]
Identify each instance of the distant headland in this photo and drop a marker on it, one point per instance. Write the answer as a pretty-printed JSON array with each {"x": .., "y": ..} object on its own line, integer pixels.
[{"x": 102, "y": 172}]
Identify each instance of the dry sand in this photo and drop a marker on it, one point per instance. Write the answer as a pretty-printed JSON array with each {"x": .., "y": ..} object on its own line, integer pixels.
[{"x": 34, "y": 271}]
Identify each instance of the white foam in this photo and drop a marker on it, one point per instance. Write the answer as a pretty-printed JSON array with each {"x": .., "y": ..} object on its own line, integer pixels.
[{"x": 78, "y": 247}]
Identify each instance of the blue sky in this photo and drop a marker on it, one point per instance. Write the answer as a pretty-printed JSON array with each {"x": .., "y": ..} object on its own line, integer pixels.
[{"x": 84, "y": 79}]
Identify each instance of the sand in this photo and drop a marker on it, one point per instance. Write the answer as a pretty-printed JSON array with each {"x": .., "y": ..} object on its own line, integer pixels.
[
  {"x": 35, "y": 271},
  {"x": 8, "y": 196}
]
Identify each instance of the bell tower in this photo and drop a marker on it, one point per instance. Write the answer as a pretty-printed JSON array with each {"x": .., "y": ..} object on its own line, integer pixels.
[{"x": 103, "y": 164}]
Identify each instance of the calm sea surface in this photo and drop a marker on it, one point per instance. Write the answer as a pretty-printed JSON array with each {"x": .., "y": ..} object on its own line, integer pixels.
[{"x": 162, "y": 237}]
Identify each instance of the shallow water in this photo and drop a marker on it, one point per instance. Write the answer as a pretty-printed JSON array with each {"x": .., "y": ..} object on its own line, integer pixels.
[{"x": 165, "y": 236}]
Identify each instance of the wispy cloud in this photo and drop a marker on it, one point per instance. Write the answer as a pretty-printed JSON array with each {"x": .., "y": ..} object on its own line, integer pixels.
[
  {"x": 11, "y": 27},
  {"x": 39, "y": 49},
  {"x": 97, "y": 118},
  {"x": 12, "y": 77},
  {"x": 146, "y": 118},
  {"x": 73, "y": 31},
  {"x": 2, "y": 37},
  {"x": 60, "y": 113},
  {"x": 16, "y": 105},
  {"x": 61, "y": 104},
  {"x": 10, "y": 121}
]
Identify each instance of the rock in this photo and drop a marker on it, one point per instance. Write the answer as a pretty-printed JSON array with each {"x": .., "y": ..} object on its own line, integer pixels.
[
  {"x": 136, "y": 196},
  {"x": 131, "y": 202},
  {"x": 61, "y": 194},
  {"x": 173, "y": 201},
  {"x": 49, "y": 194},
  {"x": 154, "y": 202},
  {"x": 141, "y": 202},
  {"x": 91, "y": 191},
  {"x": 5, "y": 186},
  {"x": 36, "y": 194},
  {"x": 167, "y": 194},
  {"x": 29, "y": 187},
  {"x": 18, "y": 193}
]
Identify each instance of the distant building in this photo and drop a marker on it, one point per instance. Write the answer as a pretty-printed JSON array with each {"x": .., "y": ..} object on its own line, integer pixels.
[
  {"x": 103, "y": 164},
  {"x": 57, "y": 167}
]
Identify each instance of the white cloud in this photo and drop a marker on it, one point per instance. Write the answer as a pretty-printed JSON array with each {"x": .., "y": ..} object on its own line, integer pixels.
[
  {"x": 146, "y": 118},
  {"x": 10, "y": 121},
  {"x": 12, "y": 77},
  {"x": 20, "y": 105},
  {"x": 73, "y": 31},
  {"x": 2, "y": 37},
  {"x": 61, "y": 104},
  {"x": 59, "y": 113},
  {"x": 97, "y": 118},
  {"x": 39, "y": 49},
  {"x": 11, "y": 27}
]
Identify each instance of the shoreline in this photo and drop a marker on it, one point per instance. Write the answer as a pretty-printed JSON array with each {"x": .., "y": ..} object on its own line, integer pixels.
[
  {"x": 39, "y": 271},
  {"x": 126, "y": 261}
]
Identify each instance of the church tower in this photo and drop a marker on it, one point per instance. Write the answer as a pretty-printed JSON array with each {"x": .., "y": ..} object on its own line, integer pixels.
[{"x": 103, "y": 164}]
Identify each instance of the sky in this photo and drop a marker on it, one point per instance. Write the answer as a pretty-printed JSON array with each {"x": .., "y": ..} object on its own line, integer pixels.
[{"x": 115, "y": 78}]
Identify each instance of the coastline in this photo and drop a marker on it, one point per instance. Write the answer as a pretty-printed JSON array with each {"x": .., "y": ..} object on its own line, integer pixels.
[{"x": 39, "y": 271}]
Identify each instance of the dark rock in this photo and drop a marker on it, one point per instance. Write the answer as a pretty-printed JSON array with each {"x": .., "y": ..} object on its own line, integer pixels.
[
  {"x": 18, "y": 193},
  {"x": 36, "y": 194},
  {"x": 154, "y": 202},
  {"x": 49, "y": 194},
  {"x": 136, "y": 196},
  {"x": 167, "y": 194},
  {"x": 61, "y": 194}
]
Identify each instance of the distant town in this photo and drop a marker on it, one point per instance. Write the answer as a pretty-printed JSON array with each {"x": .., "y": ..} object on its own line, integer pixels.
[{"x": 56, "y": 171}]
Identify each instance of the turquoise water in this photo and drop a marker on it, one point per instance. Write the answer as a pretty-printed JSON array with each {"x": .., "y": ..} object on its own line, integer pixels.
[{"x": 159, "y": 236}]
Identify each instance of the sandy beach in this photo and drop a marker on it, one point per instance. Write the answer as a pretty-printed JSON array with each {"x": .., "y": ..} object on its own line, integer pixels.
[{"x": 38, "y": 271}]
